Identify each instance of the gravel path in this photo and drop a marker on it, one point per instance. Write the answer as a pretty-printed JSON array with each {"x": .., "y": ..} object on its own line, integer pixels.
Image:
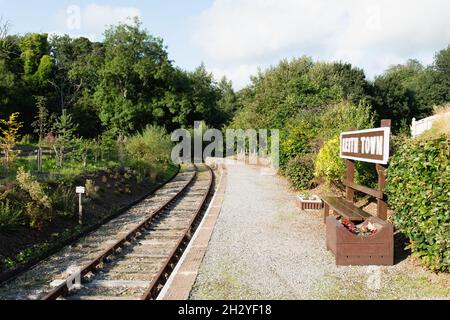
[{"x": 264, "y": 247}]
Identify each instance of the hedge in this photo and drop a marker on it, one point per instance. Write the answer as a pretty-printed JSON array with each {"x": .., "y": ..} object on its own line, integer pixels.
[
  {"x": 419, "y": 192},
  {"x": 300, "y": 171}
]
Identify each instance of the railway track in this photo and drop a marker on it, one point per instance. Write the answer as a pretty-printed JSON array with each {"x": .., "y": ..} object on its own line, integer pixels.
[{"x": 130, "y": 262}]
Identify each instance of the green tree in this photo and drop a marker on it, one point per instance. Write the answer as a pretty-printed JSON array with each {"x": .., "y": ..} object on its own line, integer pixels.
[
  {"x": 37, "y": 63},
  {"x": 65, "y": 129},
  {"x": 280, "y": 93},
  {"x": 10, "y": 133},
  {"x": 412, "y": 90},
  {"x": 227, "y": 104},
  {"x": 41, "y": 126},
  {"x": 133, "y": 78}
]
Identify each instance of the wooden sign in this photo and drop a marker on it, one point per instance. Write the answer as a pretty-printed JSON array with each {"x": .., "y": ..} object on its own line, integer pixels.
[{"x": 370, "y": 145}]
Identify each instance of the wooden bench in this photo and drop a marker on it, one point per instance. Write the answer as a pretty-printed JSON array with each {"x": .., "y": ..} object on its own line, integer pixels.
[{"x": 343, "y": 208}]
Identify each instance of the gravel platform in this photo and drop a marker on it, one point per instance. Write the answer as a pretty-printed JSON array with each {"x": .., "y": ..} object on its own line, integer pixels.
[{"x": 264, "y": 247}]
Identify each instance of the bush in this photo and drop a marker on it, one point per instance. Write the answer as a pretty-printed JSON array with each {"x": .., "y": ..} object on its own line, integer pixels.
[
  {"x": 300, "y": 171},
  {"x": 329, "y": 167},
  {"x": 10, "y": 215},
  {"x": 343, "y": 116},
  {"x": 149, "y": 150},
  {"x": 91, "y": 190},
  {"x": 39, "y": 208},
  {"x": 366, "y": 174},
  {"x": 64, "y": 201},
  {"x": 306, "y": 132},
  {"x": 419, "y": 189},
  {"x": 298, "y": 138}
]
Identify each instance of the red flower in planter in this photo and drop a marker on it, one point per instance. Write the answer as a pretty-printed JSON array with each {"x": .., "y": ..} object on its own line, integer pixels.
[
  {"x": 364, "y": 230},
  {"x": 349, "y": 225}
]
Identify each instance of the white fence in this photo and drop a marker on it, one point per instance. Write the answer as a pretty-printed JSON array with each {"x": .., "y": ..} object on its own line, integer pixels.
[{"x": 419, "y": 127}]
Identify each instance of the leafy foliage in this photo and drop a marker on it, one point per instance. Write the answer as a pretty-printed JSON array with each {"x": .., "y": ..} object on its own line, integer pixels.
[
  {"x": 419, "y": 189},
  {"x": 64, "y": 200},
  {"x": 150, "y": 150},
  {"x": 120, "y": 85},
  {"x": 411, "y": 90},
  {"x": 345, "y": 116},
  {"x": 10, "y": 214},
  {"x": 329, "y": 166},
  {"x": 300, "y": 171},
  {"x": 10, "y": 131},
  {"x": 65, "y": 129},
  {"x": 39, "y": 208}
]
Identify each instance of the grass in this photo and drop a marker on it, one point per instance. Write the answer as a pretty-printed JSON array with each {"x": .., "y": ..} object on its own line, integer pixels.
[
  {"x": 394, "y": 285},
  {"x": 440, "y": 125},
  {"x": 227, "y": 286},
  {"x": 70, "y": 168}
]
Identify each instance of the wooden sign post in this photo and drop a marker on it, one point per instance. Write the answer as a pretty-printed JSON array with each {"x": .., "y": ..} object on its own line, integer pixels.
[
  {"x": 381, "y": 170},
  {"x": 350, "y": 249},
  {"x": 80, "y": 191},
  {"x": 371, "y": 146}
]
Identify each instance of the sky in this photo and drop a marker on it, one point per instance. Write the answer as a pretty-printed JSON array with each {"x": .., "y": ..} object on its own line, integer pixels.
[{"x": 236, "y": 37}]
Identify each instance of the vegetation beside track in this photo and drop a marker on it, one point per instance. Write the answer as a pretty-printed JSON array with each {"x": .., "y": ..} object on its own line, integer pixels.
[
  {"x": 40, "y": 209},
  {"x": 116, "y": 190}
]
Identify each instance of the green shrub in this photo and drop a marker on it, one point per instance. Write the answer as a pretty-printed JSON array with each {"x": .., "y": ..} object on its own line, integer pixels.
[
  {"x": 35, "y": 190},
  {"x": 64, "y": 201},
  {"x": 26, "y": 140},
  {"x": 366, "y": 174},
  {"x": 10, "y": 214},
  {"x": 297, "y": 139},
  {"x": 343, "y": 116},
  {"x": 300, "y": 171},
  {"x": 39, "y": 208},
  {"x": 91, "y": 189},
  {"x": 419, "y": 192},
  {"x": 149, "y": 151},
  {"x": 329, "y": 167}
]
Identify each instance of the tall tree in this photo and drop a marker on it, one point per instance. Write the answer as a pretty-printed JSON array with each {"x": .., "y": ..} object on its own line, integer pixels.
[
  {"x": 65, "y": 129},
  {"x": 10, "y": 133},
  {"x": 41, "y": 126},
  {"x": 133, "y": 78},
  {"x": 227, "y": 105}
]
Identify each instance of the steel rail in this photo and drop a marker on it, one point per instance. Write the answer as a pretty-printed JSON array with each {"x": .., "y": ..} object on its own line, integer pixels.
[
  {"x": 152, "y": 291},
  {"x": 63, "y": 289}
]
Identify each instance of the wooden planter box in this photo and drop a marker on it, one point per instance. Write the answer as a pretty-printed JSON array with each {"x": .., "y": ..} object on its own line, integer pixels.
[
  {"x": 351, "y": 249},
  {"x": 309, "y": 204}
]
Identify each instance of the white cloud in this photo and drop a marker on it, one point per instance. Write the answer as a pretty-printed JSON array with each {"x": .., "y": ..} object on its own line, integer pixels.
[
  {"x": 93, "y": 19},
  {"x": 239, "y": 74},
  {"x": 97, "y": 17},
  {"x": 371, "y": 34}
]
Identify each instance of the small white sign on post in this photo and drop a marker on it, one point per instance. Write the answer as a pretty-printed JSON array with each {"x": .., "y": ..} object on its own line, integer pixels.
[{"x": 80, "y": 191}]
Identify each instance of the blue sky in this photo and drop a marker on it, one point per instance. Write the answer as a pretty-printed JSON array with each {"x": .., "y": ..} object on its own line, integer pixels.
[{"x": 235, "y": 37}]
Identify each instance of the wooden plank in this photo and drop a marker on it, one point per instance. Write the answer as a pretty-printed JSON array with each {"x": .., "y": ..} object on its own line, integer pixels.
[
  {"x": 372, "y": 192},
  {"x": 346, "y": 208}
]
